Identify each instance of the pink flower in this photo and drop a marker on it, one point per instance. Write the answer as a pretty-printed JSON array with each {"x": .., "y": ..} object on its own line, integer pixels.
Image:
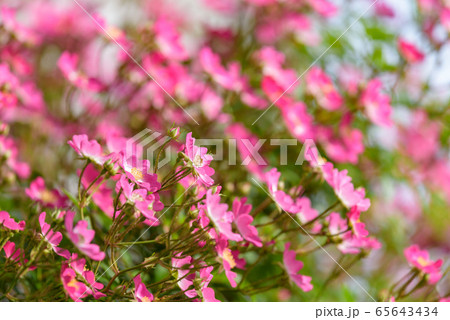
[
  {"x": 141, "y": 293},
  {"x": 205, "y": 276},
  {"x": 228, "y": 259},
  {"x": 89, "y": 149},
  {"x": 220, "y": 216},
  {"x": 211, "y": 104},
  {"x": 10, "y": 223},
  {"x": 345, "y": 146},
  {"x": 9, "y": 150},
  {"x": 101, "y": 195},
  {"x": 76, "y": 289},
  {"x": 210, "y": 62},
  {"x": 429, "y": 6},
  {"x": 421, "y": 260},
  {"x": 282, "y": 199},
  {"x": 243, "y": 221},
  {"x": 79, "y": 266},
  {"x": 229, "y": 79},
  {"x": 298, "y": 120},
  {"x": 53, "y": 238},
  {"x": 350, "y": 242},
  {"x": 262, "y": 3},
  {"x": 181, "y": 267},
  {"x": 305, "y": 212},
  {"x": 115, "y": 33},
  {"x": 293, "y": 266},
  {"x": 138, "y": 172},
  {"x": 203, "y": 279},
  {"x": 321, "y": 87},
  {"x": 81, "y": 237},
  {"x": 8, "y": 77},
  {"x": 7, "y": 100},
  {"x": 420, "y": 140},
  {"x": 302, "y": 28},
  {"x": 300, "y": 206},
  {"x": 169, "y": 41},
  {"x": 359, "y": 228},
  {"x": 384, "y": 10},
  {"x": 17, "y": 255},
  {"x": 445, "y": 18},
  {"x": 145, "y": 203},
  {"x": 11, "y": 252},
  {"x": 344, "y": 189},
  {"x": 209, "y": 295},
  {"x": 250, "y": 98},
  {"x": 67, "y": 63},
  {"x": 22, "y": 33},
  {"x": 272, "y": 61},
  {"x": 438, "y": 176},
  {"x": 409, "y": 51},
  {"x": 336, "y": 225},
  {"x": 227, "y": 7},
  {"x": 274, "y": 91},
  {"x": 189, "y": 181},
  {"x": 57, "y": 21},
  {"x": 48, "y": 198},
  {"x": 407, "y": 201},
  {"x": 200, "y": 160},
  {"x": 350, "y": 78},
  {"x": 377, "y": 104},
  {"x": 323, "y": 7}
]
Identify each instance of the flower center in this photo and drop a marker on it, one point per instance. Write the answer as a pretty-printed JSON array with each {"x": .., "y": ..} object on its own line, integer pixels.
[
  {"x": 423, "y": 262},
  {"x": 145, "y": 299},
  {"x": 327, "y": 88},
  {"x": 115, "y": 33},
  {"x": 137, "y": 174},
  {"x": 73, "y": 284},
  {"x": 198, "y": 161},
  {"x": 48, "y": 196},
  {"x": 228, "y": 257},
  {"x": 136, "y": 197}
]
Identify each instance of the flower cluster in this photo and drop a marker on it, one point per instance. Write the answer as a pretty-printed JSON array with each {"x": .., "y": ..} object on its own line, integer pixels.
[{"x": 109, "y": 192}]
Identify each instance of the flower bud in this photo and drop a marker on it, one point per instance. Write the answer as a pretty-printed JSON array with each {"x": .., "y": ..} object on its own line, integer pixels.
[
  {"x": 4, "y": 129},
  {"x": 193, "y": 214},
  {"x": 5, "y": 155},
  {"x": 193, "y": 190},
  {"x": 174, "y": 133},
  {"x": 109, "y": 167},
  {"x": 10, "y": 178},
  {"x": 214, "y": 189},
  {"x": 197, "y": 284},
  {"x": 182, "y": 155}
]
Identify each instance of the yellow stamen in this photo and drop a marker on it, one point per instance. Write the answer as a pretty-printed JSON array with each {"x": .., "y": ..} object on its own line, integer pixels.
[
  {"x": 198, "y": 161},
  {"x": 228, "y": 257},
  {"x": 423, "y": 262},
  {"x": 48, "y": 196},
  {"x": 137, "y": 174},
  {"x": 137, "y": 197},
  {"x": 114, "y": 32},
  {"x": 327, "y": 88},
  {"x": 73, "y": 283},
  {"x": 145, "y": 299}
]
